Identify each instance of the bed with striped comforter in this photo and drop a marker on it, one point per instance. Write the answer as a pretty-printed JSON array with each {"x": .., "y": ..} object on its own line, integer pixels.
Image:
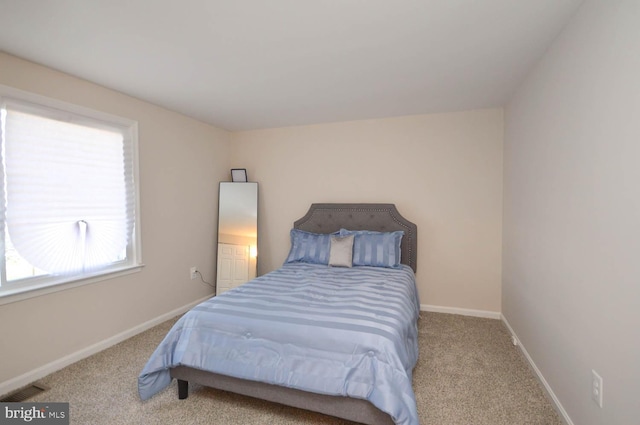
[{"x": 336, "y": 331}]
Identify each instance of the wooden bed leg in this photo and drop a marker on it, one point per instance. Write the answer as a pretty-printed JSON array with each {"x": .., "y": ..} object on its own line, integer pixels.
[{"x": 183, "y": 389}]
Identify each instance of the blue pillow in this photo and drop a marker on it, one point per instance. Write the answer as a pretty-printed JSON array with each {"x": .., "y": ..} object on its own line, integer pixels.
[
  {"x": 377, "y": 249},
  {"x": 307, "y": 247}
]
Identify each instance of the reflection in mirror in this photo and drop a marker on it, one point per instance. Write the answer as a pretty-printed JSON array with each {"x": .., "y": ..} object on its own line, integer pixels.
[{"x": 237, "y": 235}]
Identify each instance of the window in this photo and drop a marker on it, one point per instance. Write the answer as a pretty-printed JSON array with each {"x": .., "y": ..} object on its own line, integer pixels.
[{"x": 69, "y": 201}]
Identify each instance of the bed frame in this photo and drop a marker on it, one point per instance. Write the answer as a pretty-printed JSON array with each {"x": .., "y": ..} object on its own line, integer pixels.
[{"x": 321, "y": 218}]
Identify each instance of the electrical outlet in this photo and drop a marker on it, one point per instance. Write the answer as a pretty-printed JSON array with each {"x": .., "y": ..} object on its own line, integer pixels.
[
  {"x": 193, "y": 272},
  {"x": 596, "y": 387}
]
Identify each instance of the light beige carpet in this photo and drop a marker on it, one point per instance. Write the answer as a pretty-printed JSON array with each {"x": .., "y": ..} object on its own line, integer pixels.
[{"x": 469, "y": 373}]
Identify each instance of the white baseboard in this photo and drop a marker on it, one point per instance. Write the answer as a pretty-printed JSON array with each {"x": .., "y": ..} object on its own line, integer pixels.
[
  {"x": 461, "y": 311},
  {"x": 33, "y": 375},
  {"x": 559, "y": 408}
]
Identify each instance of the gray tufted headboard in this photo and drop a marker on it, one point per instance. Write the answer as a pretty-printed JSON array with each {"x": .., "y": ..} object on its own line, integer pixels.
[{"x": 328, "y": 218}]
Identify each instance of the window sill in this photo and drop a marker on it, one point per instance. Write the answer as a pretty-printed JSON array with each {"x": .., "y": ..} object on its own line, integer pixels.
[{"x": 10, "y": 295}]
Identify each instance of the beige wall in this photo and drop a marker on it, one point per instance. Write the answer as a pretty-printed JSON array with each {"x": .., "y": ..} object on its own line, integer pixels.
[
  {"x": 443, "y": 171},
  {"x": 181, "y": 162},
  {"x": 571, "y": 277}
]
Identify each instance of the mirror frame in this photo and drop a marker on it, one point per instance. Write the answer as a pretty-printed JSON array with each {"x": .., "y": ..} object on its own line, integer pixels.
[{"x": 237, "y": 237}]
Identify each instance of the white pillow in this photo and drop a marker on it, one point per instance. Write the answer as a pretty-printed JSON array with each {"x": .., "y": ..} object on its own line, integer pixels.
[{"x": 341, "y": 253}]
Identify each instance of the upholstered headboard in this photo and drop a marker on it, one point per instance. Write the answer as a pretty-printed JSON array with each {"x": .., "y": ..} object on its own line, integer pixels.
[{"x": 328, "y": 218}]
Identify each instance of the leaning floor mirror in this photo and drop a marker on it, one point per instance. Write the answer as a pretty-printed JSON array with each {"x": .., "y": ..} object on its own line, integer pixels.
[{"x": 237, "y": 234}]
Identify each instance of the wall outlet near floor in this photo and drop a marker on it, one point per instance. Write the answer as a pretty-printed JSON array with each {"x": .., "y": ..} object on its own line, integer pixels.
[
  {"x": 193, "y": 272},
  {"x": 596, "y": 387}
]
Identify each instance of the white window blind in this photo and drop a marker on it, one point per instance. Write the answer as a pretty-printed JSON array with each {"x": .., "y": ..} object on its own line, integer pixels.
[{"x": 69, "y": 191}]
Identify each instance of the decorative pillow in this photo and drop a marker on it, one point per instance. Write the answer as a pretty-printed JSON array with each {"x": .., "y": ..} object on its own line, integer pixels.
[
  {"x": 307, "y": 247},
  {"x": 341, "y": 253},
  {"x": 377, "y": 249}
]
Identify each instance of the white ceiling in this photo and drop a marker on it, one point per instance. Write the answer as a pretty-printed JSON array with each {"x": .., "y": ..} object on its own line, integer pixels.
[{"x": 249, "y": 64}]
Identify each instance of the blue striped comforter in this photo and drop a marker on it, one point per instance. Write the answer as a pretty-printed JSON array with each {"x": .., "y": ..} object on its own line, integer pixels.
[{"x": 337, "y": 331}]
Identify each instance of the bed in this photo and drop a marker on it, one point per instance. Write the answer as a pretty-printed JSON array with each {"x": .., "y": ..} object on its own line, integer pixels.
[{"x": 354, "y": 363}]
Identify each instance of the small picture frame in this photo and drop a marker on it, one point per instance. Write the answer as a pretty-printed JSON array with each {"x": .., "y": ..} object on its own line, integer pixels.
[{"x": 239, "y": 175}]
